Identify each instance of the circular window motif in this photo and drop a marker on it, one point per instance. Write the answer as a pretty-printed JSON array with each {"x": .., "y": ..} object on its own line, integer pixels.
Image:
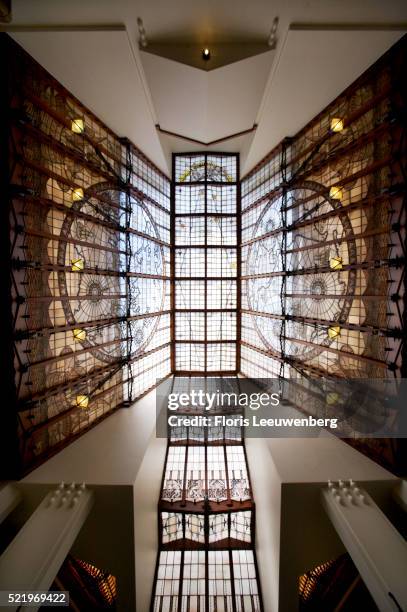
[
  {"x": 322, "y": 295},
  {"x": 89, "y": 294}
]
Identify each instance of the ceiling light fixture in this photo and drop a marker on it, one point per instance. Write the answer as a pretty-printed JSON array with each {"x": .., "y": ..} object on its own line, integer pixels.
[
  {"x": 272, "y": 41},
  {"x": 336, "y": 124},
  {"x": 206, "y": 54},
  {"x": 77, "y": 194},
  {"x": 82, "y": 401},
  {"x": 336, "y": 192},
  {"x": 332, "y": 398},
  {"x": 78, "y": 126},
  {"x": 77, "y": 265},
  {"x": 142, "y": 33},
  {"x": 79, "y": 335},
  {"x": 335, "y": 263},
  {"x": 334, "y": 332}
]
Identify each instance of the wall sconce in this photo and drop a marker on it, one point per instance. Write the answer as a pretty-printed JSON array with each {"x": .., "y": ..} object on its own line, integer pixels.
[
  {"x": 336, "y": 124},
  {"x": 77, "y": 265},
  {"x": 334, "y": 332},
  {"x": 77, "y": 194},
  {"x": 82, "y": 401},
  {"x": 335, "y": 263},
  {"x": 79, "y": 335},
  {"x": 206, "y": 54},
  {"x": 78, "y": 126},
  {"x": 336, "y": 192}
]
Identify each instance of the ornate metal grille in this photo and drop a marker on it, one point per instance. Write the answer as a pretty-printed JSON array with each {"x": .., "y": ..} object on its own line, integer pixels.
[
  {"x": 323, "y": 242},
  {"x": 90, "y": 230}
]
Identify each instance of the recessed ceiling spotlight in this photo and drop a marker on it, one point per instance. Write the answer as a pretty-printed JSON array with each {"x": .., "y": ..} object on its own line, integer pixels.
[
  {"x": 206, "y": 54},
  {"x": 272, "y": 40},
  {"x": 142, "y": 33}
]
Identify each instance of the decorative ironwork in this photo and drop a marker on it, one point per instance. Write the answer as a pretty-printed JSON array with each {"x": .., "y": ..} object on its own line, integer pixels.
[
  {"x": 332, "y": 300},
  {"x": 316, "y": 245},
  {"x": 90, "y": 253},
  {"x": 323, "y": 243}
]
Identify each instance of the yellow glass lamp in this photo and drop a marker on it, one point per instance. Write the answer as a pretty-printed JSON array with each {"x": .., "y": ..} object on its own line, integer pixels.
[
  {"x": 77, "y": 265},
  {"x": 336, "y": 124},
  {"x": 332, "y": 398},
  {"x": 78, "y": 126},
  {"x": 79, "y": 335},
  {"x": 334, "y": 332},
  {"x": 336, "y": 263},
  {"x": 77, "y": 194},
  {"x": 82, "y": 401},
  {"x": 336, "y": 192}
]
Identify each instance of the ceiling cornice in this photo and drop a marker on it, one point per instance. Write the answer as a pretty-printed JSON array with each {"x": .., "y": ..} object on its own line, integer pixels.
[{"x": 210, "y": 142}]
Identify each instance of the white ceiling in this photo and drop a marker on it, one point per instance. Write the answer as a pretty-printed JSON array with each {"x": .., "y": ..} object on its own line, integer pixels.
[
  {"x": 312, "y": 69},
  {"x": 199, "y": 104},
  {"x": 133, "y": 91},
  {"x": 99, "y": 69}
]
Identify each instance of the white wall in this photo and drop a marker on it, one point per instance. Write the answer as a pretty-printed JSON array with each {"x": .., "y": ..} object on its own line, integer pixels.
[
  {"x": 266, "y": 486},
  {"x": 320, "y": 459},
  {"x": 146, "y": 496},
  {"x": 123, "y": 454},
  {"x": 111, "y": 453},
  {"x": 294, "y": 533}
]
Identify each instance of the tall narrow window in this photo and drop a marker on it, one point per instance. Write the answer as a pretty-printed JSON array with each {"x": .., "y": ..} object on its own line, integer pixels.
[{"x": 205, "y": 266}]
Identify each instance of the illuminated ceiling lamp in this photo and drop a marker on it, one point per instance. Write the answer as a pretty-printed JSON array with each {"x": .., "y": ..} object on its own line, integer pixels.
[
  {"x": 334, "y": 332},
  {"x": 77, "y": 194},
  {"x": 206, "y": 54},
  {"x": 336, "y": 192},
  {"x": 142, "y": 33},
  {"x": 336, "y": 263},
  {"x": 78, "y": 126},
  {"x": 272, "y": 39},
  {"x": 79, "y": 335},
  {"x": 82, "y": 401},
  {"x": 77, "y": 265},
  {"x": 332, "y": 398},
  {"x": 336, "y": 124}
]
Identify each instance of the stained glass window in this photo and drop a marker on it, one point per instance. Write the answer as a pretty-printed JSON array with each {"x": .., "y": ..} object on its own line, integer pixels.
[
  {"x": 206, "y": 263},
  {"x": 206, "y": 510},
  {"x": 90, "y": 263}
]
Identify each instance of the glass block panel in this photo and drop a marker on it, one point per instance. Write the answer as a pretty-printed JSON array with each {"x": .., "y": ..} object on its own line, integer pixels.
[{"x": 205, "y": 248}]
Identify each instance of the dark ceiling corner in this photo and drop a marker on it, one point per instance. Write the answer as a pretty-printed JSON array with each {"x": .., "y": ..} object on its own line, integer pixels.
[{"x": 5, "y": 11}]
